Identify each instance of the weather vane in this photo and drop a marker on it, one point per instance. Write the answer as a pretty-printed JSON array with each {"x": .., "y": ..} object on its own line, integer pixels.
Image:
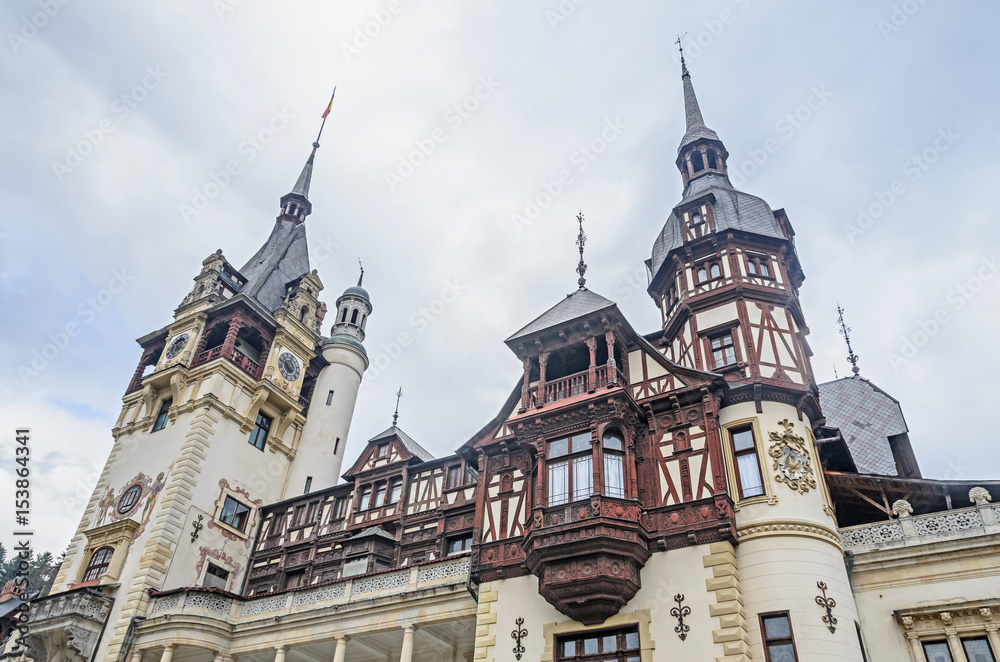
[
  {"x": 846, "y": 332},
  {"x": 362, "y": 276},
  {"x": 395, "y": 415},
  {"x": 680, "y": 47},
  {"x": 581, "y": 239}
]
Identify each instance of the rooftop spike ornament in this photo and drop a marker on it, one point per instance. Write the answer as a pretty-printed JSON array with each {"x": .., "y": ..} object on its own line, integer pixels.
[
  {"x": 846, "y": 332},
  {"x": 395, "y": 415},
  {"x": 362, "y": 276},
  {"x": 581, "y": 239}
]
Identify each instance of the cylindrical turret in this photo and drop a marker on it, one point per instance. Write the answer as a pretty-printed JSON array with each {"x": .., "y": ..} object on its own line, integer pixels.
[{"x": 320, "y": 450}]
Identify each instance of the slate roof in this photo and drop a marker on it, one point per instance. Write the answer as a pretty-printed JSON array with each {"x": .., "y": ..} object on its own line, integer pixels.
[
  {"x": 283, "y": 258},
  {"x": 866, "y": 416},
  {"x": 734, "y": 210},
  {"x": 412, "y": 447},
  {"x": 696, "y": 129},
  {"x": 578, "y": 304},
  {"x": 374, "y": 531}
]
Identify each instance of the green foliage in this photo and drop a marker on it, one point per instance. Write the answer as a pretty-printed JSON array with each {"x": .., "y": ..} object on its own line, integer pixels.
[{"x": 42, "y": 569}]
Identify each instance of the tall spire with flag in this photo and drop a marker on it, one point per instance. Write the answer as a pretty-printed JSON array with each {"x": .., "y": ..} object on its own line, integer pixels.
[{"x": 295, "y": 205}]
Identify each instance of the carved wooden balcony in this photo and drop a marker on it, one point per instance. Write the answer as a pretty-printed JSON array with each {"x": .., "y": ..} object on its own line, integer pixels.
[{"x": 577, "y": 384}]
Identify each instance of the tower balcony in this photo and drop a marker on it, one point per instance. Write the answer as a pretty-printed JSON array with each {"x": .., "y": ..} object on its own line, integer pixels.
[
  {"x": 248, "y": 365},
  {"x": 577, "y": 384}
]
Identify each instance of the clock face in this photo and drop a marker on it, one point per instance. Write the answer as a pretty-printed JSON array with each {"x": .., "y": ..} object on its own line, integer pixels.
[
  {"x": 177, "y": 345},
  {"x": 289, "y": 366}
]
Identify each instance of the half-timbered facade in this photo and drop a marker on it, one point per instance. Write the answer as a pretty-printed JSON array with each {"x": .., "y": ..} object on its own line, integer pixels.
[{"x": 686, "y": 494}]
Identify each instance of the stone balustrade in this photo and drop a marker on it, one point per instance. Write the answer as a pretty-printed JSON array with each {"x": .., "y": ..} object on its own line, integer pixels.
[
  {"x": 908, "y": 530},
  {"x": 197, "y": 601}
]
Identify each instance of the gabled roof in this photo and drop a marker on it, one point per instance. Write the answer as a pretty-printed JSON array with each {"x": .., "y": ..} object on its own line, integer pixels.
[
  {"x": 412, "y": 447},
  {"x": 374, "y": 531},
  {"x": 581, "y": 303},
  {"x": 283, "y": 258}
]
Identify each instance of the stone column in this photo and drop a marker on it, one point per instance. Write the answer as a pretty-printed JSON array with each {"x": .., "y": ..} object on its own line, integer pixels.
[
  {"x": 168, "y": 653},
  {"x": 994, "y": 637},
  {"x": 279, "y": 654},
  {"x": 955, "y": 645},
  {"x": 916, "y": 650},
  {"x": 338, "y": 655},
  {"x": 222, "y": 657},
  {"x": 136, "y": 655},
  {"x": 406, "y": 655}
]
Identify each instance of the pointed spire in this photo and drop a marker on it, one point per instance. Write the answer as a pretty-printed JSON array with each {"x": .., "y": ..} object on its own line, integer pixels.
[
  {"x": 290, "y": 210},
  {"x": 694, "y": 123},
  {"x": 305, "y": 177},
  {"x": 581, "y": 239},
  {"x": 846, "y": 332},
  {"x": 395, "y": 415}
]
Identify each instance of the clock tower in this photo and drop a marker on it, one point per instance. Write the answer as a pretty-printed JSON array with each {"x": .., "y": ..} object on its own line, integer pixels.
[{"x": 239, "y": 402}]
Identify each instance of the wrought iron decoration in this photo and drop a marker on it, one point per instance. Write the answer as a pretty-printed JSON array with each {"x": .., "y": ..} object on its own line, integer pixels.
[
  {"x": 197, "y": 526},
  {"x": 679, "y": 612},
  {"x": 828, "y": 604},
  {"x": 517, "y": 635}
]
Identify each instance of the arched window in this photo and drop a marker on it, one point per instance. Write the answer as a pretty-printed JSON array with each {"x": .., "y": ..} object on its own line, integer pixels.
[
  {"x": 343, "y": 315},
  {"x": 697, "y": 161},
  {"x": 695, "y": 218},
  {"x": 702, "y": 274},
  {"x": 614, "y": 465},
  {"x": 716, "y": 271},
  {"x": 99, "y": 562},
  {"x": 354, "y": 316},
  {"x": 712, "y": 161},
  {"x": 362, "y": 321},
  {"x": 303, "y": 313}
]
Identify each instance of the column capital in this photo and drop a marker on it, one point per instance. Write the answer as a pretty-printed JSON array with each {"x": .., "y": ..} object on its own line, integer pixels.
[
  {"x": 410, "y": 627},
  {"x": 342, "y": 637}
]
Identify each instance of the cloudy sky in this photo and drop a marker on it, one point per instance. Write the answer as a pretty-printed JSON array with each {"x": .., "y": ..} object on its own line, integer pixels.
[{"x": 118, "y": 119}]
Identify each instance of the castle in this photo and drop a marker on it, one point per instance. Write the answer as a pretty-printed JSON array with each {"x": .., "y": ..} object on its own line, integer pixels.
[{"x": 689, "y": 493}]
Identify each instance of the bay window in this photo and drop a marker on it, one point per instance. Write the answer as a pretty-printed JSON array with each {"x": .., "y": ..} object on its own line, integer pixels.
[
  {"x": 571, "y": 469},
  {"x": 614, "y": 465}
]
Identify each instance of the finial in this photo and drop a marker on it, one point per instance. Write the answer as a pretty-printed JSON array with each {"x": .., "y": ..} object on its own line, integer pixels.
[
  {"x": 680, "y": 47},
  {"x": 362, "y": 276},
  {"x": 846, "y": 332},
  {"x": 395, "y": 415},
  {"x": 325, "y": 113},
  {"x": 581, "y": 239}
]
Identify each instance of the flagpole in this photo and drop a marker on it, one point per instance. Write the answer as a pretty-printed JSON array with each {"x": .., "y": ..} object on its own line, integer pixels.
[{"x": 327, "y": 112}]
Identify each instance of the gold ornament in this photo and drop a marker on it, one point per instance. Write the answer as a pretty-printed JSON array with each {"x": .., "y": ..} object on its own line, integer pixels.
[{"x": 791, "y": 459}]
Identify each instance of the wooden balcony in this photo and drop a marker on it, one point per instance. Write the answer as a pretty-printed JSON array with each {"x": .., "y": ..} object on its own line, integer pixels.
[
  {"x": 247, "y": 364},
  {"x": 575, "y": 385}
]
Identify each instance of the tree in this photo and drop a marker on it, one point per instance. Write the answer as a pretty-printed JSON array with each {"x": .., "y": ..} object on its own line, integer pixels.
[{"x": 42, "y": 569}]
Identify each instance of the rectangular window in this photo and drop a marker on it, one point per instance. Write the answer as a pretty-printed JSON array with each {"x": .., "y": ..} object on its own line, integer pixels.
[
  {"x": 311, "y": 512},
  {"x": 723, "y": 351},
  {"x": 295, "y": 579},
  {"x": 299, "y": 516},
  {"x": 471, "y": 475},
  {"x": 340, "y": 508},
  {"x": 978, "y": 650},
  {"x": 215, "y": 577},
  {"x": 329, "y": 398},
  {"x": 161, "y": 417},
  {"x": 462, "y": 544},
  {"x": 454, "y": 477},
  {"x": 748, "y": 476},
  {"x": 383, "y": 451},
  {"x": 234, "y": 513},
  {"x": 274, "y": 530},
  {"x": 779, "y": 643},
  {"x": 309, "y": 482},
  {"x": 937, "y": 651},
  {"x": 606, "y": 646},
  {"x": 396, "y": 490},
  {"x": 260, "y": 429},
  {"x": 379, "y": 495},
  {"x": 366, "y": 495},
  {"x": 572, "y": 478},
  {"x": 614, "y": 474}
]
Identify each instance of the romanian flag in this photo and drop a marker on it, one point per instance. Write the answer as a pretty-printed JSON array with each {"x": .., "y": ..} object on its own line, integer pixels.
[{"x": 329, "y": 105}]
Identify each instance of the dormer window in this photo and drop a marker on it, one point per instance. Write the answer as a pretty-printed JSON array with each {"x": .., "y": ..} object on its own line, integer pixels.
[
  {"x": 696, "y": 218},
  {"x": 383, "y": 451},
  {"x": 707, "y": 271},
  {"x": 571, "y": 469}
]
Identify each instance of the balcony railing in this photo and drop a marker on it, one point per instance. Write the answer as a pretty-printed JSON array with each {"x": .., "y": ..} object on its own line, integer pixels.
[
  {"x": 576, "y": 384},
  {"x": 247, "y": 364},
  {"x": 907, "y": 531}
]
